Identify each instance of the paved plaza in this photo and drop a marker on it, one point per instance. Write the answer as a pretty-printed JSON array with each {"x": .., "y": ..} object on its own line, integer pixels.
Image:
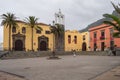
[{"x": 66, "y": 68}]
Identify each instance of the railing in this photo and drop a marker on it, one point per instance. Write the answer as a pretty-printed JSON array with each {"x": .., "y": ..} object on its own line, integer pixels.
[{"x": 102, "y": 37}]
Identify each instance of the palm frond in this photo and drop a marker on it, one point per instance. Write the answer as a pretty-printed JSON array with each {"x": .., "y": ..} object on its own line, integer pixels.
[
  {"x": 31, "y": 21},
  {"x": 115, "y": 18},
  {"x": 110, "y": 23},
  {"x": 116, "y": 7},
  {"x": 9, "y": 20},
  {"x": 116, "y": 34},
  {"x": 38, "y": 28}
]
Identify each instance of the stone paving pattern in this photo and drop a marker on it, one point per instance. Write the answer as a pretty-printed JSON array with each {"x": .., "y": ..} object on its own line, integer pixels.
[
  {"x": 66, "y": 68},
  {"x": 6, "y": 76},
  {"x": 113, "y": 74}
]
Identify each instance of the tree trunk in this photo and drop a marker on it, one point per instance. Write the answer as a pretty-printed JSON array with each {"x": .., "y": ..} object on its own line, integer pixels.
[
  {"x": 32, "y": 39},
  {"x": 9, "y": 46},
  {"x": 53, "y": 42},
  {"x": 57, "y": 42}
]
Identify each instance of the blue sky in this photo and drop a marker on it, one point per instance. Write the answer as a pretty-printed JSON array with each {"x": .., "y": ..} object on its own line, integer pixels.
[{"x": 78, "y": 13}]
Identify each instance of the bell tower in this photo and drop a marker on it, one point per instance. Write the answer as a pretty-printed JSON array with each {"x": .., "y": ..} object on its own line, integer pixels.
[
  {"x": 59, "y": 18},
  {"x": 60, "y": 41}
]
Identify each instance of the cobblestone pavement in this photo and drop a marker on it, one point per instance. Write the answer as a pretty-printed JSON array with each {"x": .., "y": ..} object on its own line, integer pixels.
[
  {"x": 113, "y": 74},
  {"x": 7, "y": 76},
  {"x": 66, "y": 68}
]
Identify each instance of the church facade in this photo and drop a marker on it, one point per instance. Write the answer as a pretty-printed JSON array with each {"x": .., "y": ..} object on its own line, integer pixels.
[
  {"x": 42, "y": 40},
  {"x": 21, "y": 38}
]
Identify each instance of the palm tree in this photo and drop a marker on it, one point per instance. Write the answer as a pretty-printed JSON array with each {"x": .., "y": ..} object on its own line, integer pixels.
[
  {"x": 32, "y": 22},
  {"x": 115, "y": 21},
  {"x": 9, "y": 20},
  {"x": 116, "y": 7},
  {"x": 57, "y": 30}
]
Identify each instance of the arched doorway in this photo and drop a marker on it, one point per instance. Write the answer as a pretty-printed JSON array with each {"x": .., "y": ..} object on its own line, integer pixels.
[
  {"x": 43, "y": 46},
  {"x": 43, "y": 43},
  {"x": 18, "y": 45},
  {"x": 18, "y": 42},
  {"x": 84, "y": 46}
]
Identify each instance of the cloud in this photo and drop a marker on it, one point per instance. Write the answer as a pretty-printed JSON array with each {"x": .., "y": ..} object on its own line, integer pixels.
[{"x": 78, "y": 13}]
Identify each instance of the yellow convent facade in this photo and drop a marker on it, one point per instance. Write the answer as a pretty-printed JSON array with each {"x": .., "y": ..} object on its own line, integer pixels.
[
  {"x": 42, "y": 40},
  {"x": 85, "y": 41},
  {"x": 72, "y": 40},
  {"x": 21, "y": 38}
]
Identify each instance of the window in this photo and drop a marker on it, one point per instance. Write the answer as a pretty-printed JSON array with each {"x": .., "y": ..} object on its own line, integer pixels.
[
  {"x": 111, "y": 31},
  {"x": 69, "y": 39},
  {"x": 83, "y": 37},
  {"x": 95, "y": 34},
  {"x": 23, "y": 30},
  {"x": 47, "y": 32},
  {"x": 14, "y": 29},
  {"x": 111, "y": 34},
  {"x": 38, "y": 31},
  {"x": 102, "y": 35},
  {"x": 95, "y": 46},
  {"x": 75, "y": 39},
  {"x": 102, "y": 46}
]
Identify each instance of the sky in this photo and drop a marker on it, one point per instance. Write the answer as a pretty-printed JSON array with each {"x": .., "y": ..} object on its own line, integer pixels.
[{"x": 78, "y": 13}]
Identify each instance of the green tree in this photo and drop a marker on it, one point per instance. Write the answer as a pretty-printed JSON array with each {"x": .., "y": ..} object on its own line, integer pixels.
[
  {"x": 32, "y": 22},
  {"x": 57, "y": 30},
  {"x": 115, "y": 22},
  {"x": 9, "y": 20}
]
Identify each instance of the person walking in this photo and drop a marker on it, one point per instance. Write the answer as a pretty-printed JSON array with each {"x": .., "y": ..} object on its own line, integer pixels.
[
  {"x": 74, "y": 53},
  {"x": 109, "y": 51}
]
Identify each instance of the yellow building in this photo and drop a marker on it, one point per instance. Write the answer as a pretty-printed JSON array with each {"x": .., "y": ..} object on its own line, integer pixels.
[
  {"x": 85, "y": 41},
  {"x": 21, "y": 38},
  {"x": 42, "y": 40},
  {"x": 72, "y": 40}
]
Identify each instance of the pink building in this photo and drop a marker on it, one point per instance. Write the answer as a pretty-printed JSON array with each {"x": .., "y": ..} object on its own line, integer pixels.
[{"x": 101, "y": 37}]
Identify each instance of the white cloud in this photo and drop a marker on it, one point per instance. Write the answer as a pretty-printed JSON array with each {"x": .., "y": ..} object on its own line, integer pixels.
[{"x": 78, "y": 13}]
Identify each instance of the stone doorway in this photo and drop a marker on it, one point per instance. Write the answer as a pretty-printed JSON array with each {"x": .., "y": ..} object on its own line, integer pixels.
[
  {"x": 43, "y": 46},
  {"x": 43, "y": 43},
  {"x": 95, "y": 46},
  {"x": 18, "y": 45},
  {"x": 18, "y": 42},
  {"x": 84, "y": 46},
  {"x": 102, "y": 46}
]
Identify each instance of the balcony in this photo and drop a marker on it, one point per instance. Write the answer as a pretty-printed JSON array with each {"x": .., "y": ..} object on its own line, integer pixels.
[
  {"x": 95, "y": 39},
  {"x": 102, "y": 38}
]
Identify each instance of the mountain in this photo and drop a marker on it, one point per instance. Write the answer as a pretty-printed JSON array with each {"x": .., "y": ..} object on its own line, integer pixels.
[{"x": 99, "y": 22}]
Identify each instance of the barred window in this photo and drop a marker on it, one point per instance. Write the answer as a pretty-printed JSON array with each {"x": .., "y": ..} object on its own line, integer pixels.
[
  {"x": 14, "y": 29},
  {"x": 69, "y": 39},
  {"x": 75, "y": 39},
  {"x": 95, "y": 34},
  {"x": 84, "y": 37},
  {"x": 47, "y": 32},
  {"x": 23, "y": 30},
  {"x": 38, "y": 31}
]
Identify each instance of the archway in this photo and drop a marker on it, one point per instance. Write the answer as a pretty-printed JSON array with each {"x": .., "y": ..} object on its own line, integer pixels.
[
  {"x": 84, "y": 46},
  {"x": 18, "y": 45},
  {"x": 43, "y": 46},
  {"x": 43, "y": 43},
  {"x": 102, "y": 46},
  {"x": 18, "y": 42}
]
